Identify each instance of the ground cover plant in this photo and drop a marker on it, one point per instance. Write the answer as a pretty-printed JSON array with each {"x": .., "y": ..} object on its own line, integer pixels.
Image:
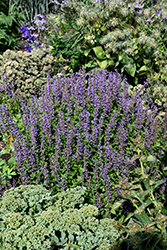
[
  {"x": 30, "y": 212},
  {"x": 124, "y": 171}
]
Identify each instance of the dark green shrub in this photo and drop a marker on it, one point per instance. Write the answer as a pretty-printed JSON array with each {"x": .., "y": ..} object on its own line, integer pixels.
[{"x": 10, "y": 20}]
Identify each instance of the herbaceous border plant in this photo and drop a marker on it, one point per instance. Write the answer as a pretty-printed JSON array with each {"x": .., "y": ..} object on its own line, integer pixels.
[{"x": 88, "y": 133}]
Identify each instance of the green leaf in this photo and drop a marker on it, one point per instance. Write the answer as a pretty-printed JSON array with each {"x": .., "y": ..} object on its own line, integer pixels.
[
  {"x": 108, "y": 55},
  {"x": 75, "y": 246},
  {"x": 131, "y": 69},
  {"x": 99, "y": 52},
  {"x": 86, "y": 52},
  {"x": 102, "y": 64},
  {"x": 11, "y": 161},
  {"x": 136, "y": 80},
  {"x": 117, "y": 63},
  {"x": 158, "y": 183},
  {"x": 129, "y": 216},
  {"x": 147, "y": 183},
  {"x": 62, "y": 241},
  {"x": 2, "y": 162},
  {"x": 117, "y": 204},
  {"x": 151, "y": 158},
  {"x": 71, "y": 237},
  {"x": 143, "y": 68},
  {"x": 143, "y": 218},
  {"x": 145, "y": 204},
  {"x": 139, "y": 196},
  {"x": 164, "y": 211},
  {"x": 12, "y": 173},
  {"x": 146, "y": 61},
  {"x": 7, "y": 20},
  {"x": 120, "y": 58}
]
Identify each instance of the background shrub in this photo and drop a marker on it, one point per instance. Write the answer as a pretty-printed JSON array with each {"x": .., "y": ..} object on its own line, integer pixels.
[
  {"x": 125, "y": 36},
  {"x": 27, "y": 72}
]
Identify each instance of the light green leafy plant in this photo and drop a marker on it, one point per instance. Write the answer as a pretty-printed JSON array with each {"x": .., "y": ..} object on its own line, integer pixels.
[
  {"x": 69, "y": 46},
  {"x": 27, "y": 72},
  {"x": 31, "y": 218},
  {"x": 120, "y": 37}
]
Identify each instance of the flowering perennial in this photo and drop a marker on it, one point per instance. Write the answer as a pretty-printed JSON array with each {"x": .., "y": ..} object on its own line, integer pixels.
[{"x": 85, "y": 131}]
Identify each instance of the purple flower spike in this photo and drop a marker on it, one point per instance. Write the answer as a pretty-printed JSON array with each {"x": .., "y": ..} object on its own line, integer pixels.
[
  {"x": 138, "y": 6},
  {"x": 163, "y": 18},
  {"x": 149, "y": 20}
]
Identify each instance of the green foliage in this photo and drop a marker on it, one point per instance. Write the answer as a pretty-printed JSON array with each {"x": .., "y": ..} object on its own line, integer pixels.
[
  {"x": 31, "y": 218},
  {"x": 28, "y": 70},
  {"x": 159, "y": 96},
  {"x": 149, "y": 215},
  {"x": 144, "y": 228},
  {"x": 7, "y": 170},
  {"x": 69, "y": 46},
  {"x": 158, "y": 93},
  {"x": 30, "y": 8},
  {"x": 118, "y": 37},
  {"x": 10, "y": 21}
]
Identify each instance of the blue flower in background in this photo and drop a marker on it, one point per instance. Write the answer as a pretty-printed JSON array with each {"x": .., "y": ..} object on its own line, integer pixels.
[
  {"x": 31, "y": 39},
  {"x": 27, "y": 47}
]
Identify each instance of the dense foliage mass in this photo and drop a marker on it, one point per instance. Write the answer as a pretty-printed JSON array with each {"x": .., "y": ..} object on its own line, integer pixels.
[
  {"x": 126, "y": 35},
  {"x": 94, "y": 129},
  {"x": 31, "y": 218},
  {"x": 73, "y": 133},
  {"x": 27, "y": 72}
]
